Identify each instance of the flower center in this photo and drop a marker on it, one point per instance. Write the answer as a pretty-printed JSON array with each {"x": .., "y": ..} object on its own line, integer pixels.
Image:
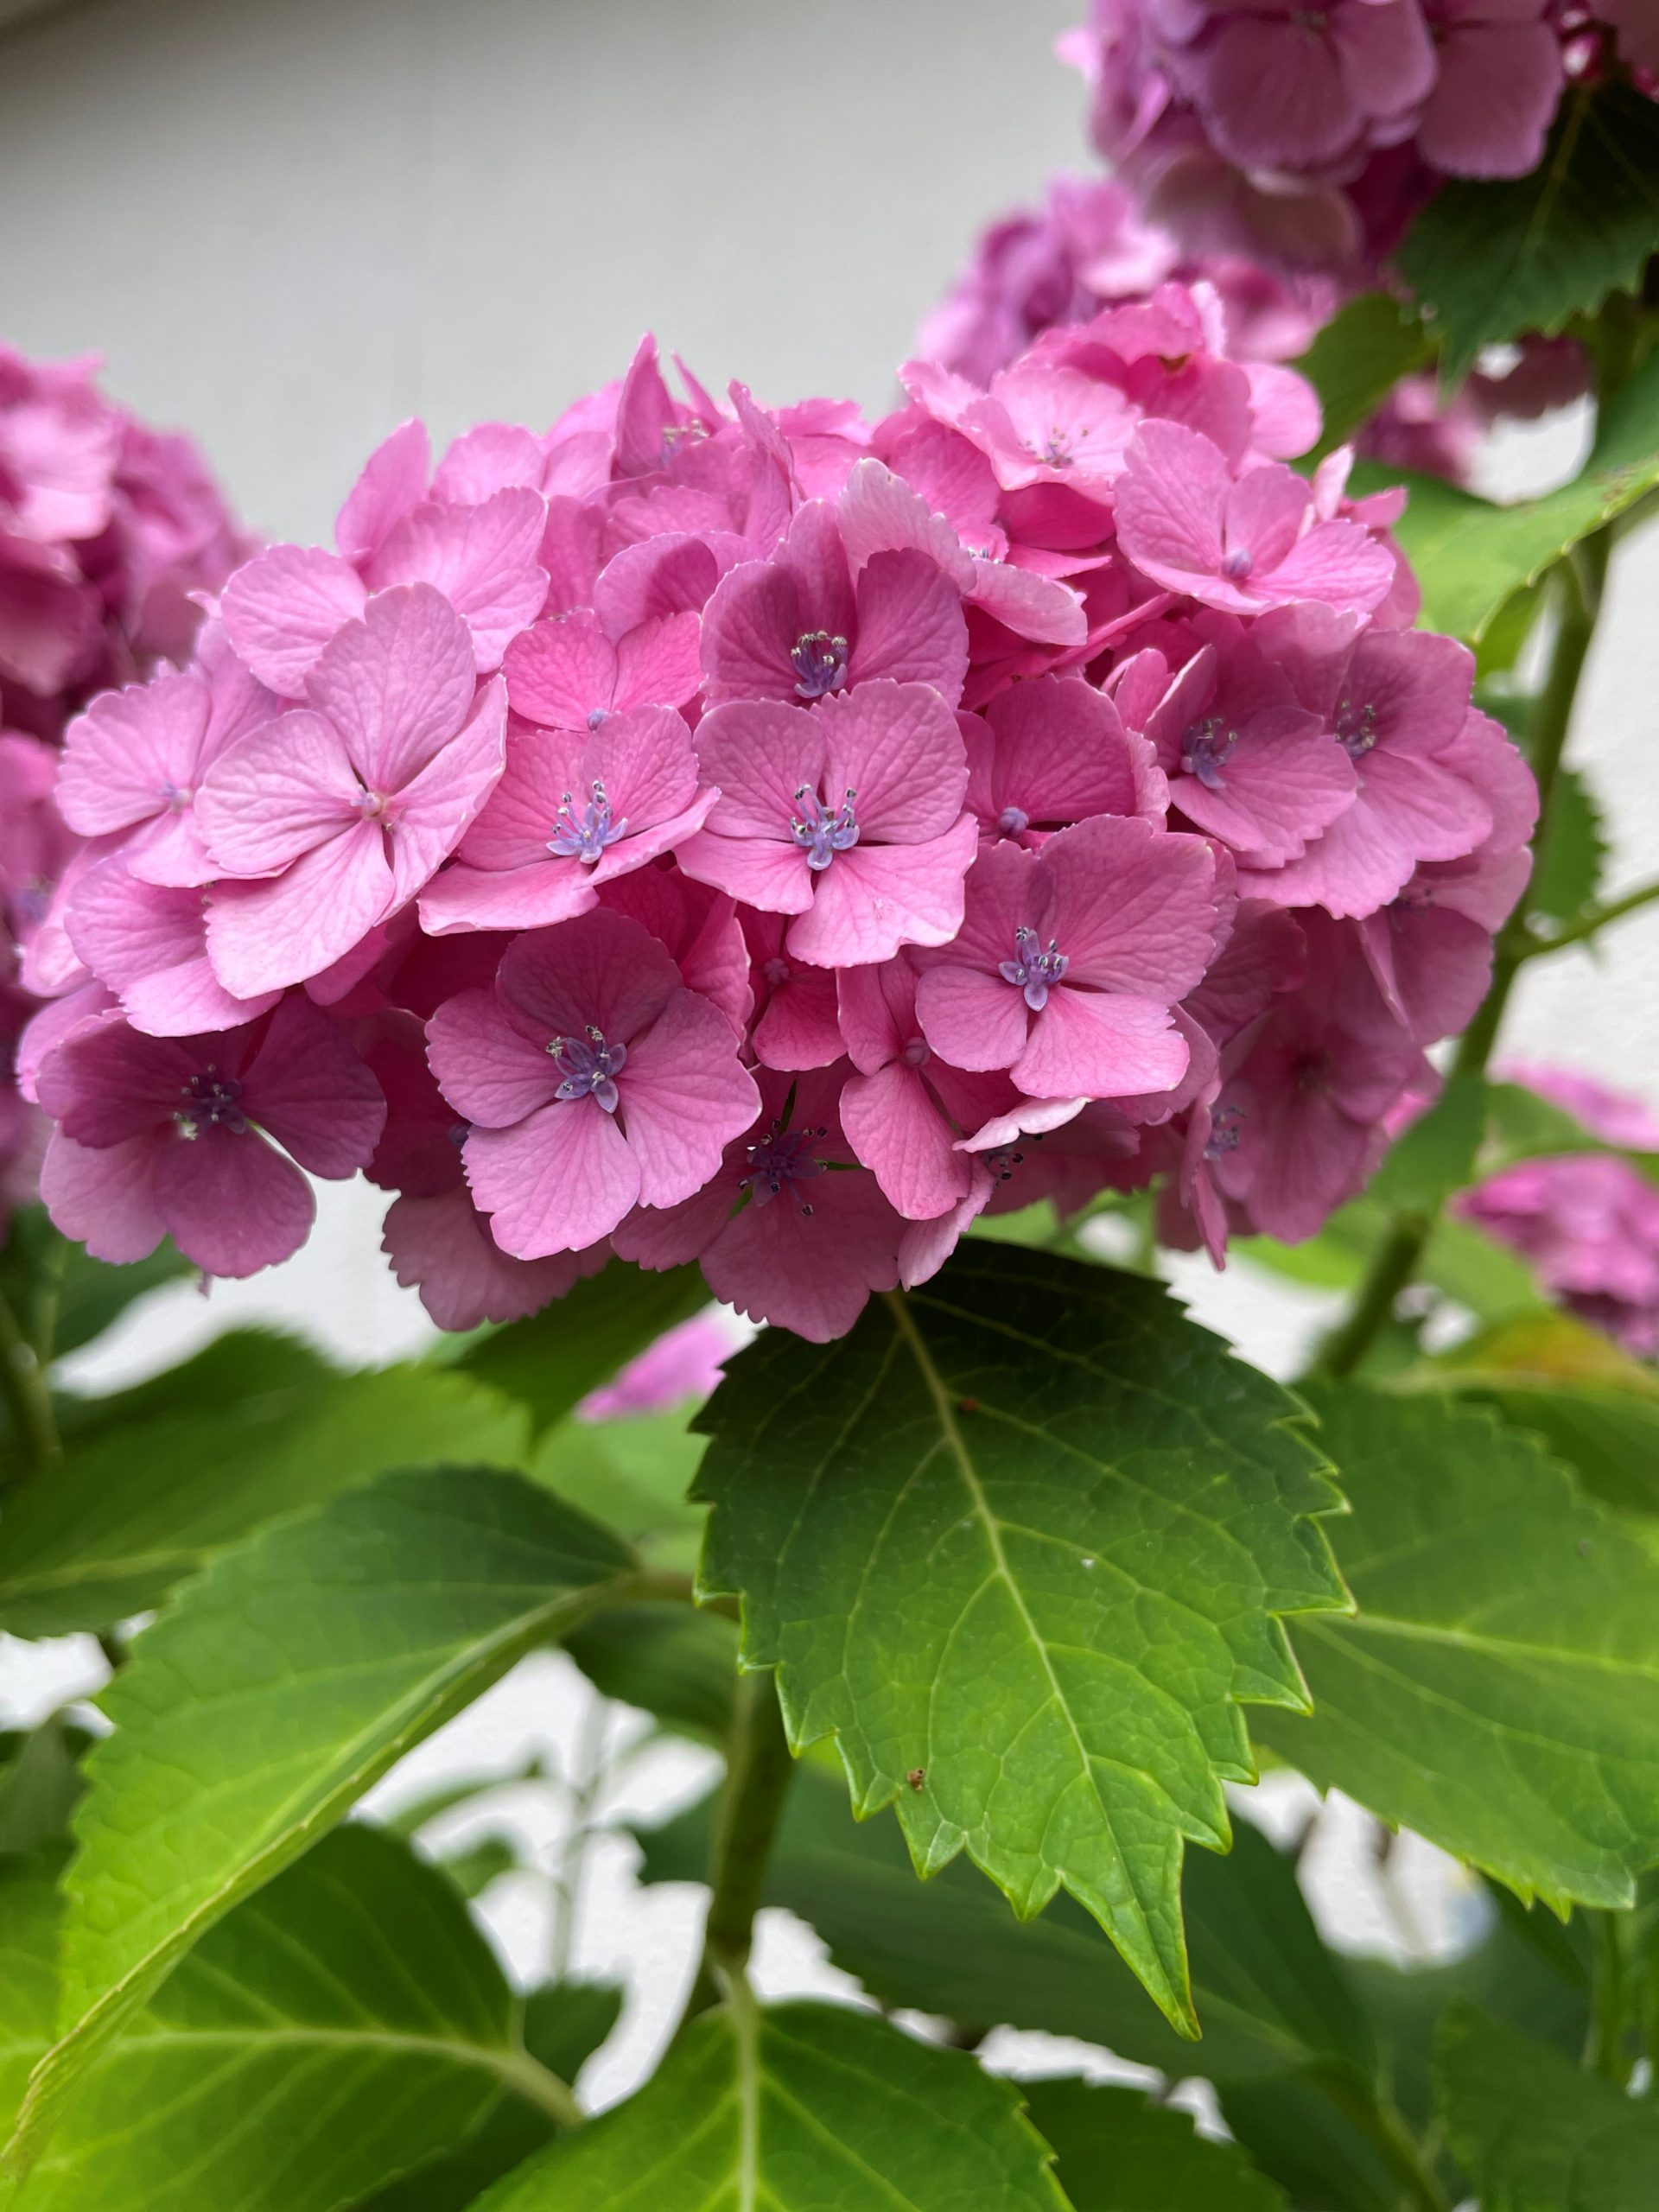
[
  {"x": 1012, "y": 821},
  {"x": 583, "y": 836},
  {"x": 776, "y": 972},
  {"x": 782, "y": 1160},
  {"x": 210, "y": 1103},
  {"x": 1223, "y": 1132},
  {"x": 175, "y": 797},
  {"x": 1313, "y": 1073},
  {"x": 821, "y": 835},
  {"x": 1034, "y": 970},
  {"x": 820, "y": 663},
  {"x": 1237, "y": 564},
  {"x": 371, "y": 805},
  {"x": 1356, "y": 728},
  {"x": 1205, "y": 750},
  {"x": 917, "y": 1053},
  {"x": 588, "y": 1067}
]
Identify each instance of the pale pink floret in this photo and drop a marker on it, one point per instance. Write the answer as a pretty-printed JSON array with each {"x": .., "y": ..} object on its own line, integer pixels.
[
  {"x": 566, "y": 673},
  {"x": 148, "y": 942},
  {"x": 593, "y": 1080},
  {"x": 1068, "y": 961},
  {"x": 848, "y": 815},
  {"x": 1243, "y": 543},
  {"x": 573, "y": 810},
  {"x": 1050, "y": 752},
  {"x": 168, "y": 1135},
  {"x": 338, "y": 813},
  {"x": 683, "y": 1363}
]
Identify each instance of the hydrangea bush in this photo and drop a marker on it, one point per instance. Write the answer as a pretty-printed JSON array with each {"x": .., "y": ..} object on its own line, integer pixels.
[{"x": 869, "y": 875}]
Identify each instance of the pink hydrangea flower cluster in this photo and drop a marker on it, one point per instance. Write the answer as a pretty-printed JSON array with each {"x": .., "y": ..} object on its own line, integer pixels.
[
  {"x": 772, "y": 839},
  {"x": 1314, "y": 134},
  {"x": 1586, "y": 1223},
  {"x": 110, "y": 534}
]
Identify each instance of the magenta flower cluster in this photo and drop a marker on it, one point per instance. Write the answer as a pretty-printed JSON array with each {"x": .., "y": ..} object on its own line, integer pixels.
[
  {"x": 110, "y": 533},
  {"x": 1586, "y": 1223},
  {"x": 1313, "y": 133},
  {"x": 773, "y": 839}
]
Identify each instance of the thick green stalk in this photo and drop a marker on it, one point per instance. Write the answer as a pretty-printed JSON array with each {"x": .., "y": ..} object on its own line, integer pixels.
[
  {"x": 23, "y": 1386},
  {"x": 758, "y": 1767},
  {"x": 1593, "y": 921},
  {"x": 1606, "y": 2051}
]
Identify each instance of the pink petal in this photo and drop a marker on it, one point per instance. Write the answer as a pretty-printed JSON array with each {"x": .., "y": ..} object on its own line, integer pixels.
[
  {"x": 560, "y": 671},
  {"x": 276, "y": 794},
  {"x": 748, "y": 629},
  {"x": 761, "y": 753},
  {"x": 443, "y": 1244},
  {"x": 264, "y": 935},
  {"x": 482, "y": 559},
  {"x": 875, "y": 898},
  {"x": 659, "y": 664},
  {"x": 897, "y": 1131},
  {"x": 1428, "y": 804},
  {"x": 232, "y": 1202},
  {"x": 1103, "y": 1044},
  {"x": 878, "y": 513},
  {"x": 797, "y": 1028},
  {"x": 393, "y": 481},
  {"x": 489, "y": 458},
  {"x": 897, "y": 746},
  {"x": 1264, "y": 513},
  {"x": 1170, "y": 500},
  {"x": 487, "y": 1070},
  {"x": 103, "y": 1198},
  {"x": 532, "y": 896},
  {"x": 1061, "y": 753},
  {"x": 814, "y": 1273},
  {"x": 685, "y": 1096},
  {"x": 1133, "y": 907},
  {"x": 1029, "y": 604},
  {"x": 431, "y": 814},
  {"x": 601, "y": 971},
  {"x": 1337, "y": 561},
  {"x": 672, "y": 574},
  {"x": 150, "y": 943},
  {"x": 283, "y": 608},
  {"x": 307, "y": 1087},
  {"x": 1285, "y": 781},
  {"x": 396, "y": 685},
  {"x": 558, "y": 1182},
  {"x": 970, "y": 1017},
  {"x": 132, "y": 749},
  {"x": 911, "y": 625},
  {"x": 774, "y": 878}
]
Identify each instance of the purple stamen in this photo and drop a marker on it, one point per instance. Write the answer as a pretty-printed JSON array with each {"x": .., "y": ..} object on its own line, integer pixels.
[
  {"x": 782, "y": 1160},
  {"x": 820, "y": 664},
  {"x": 1356, "y": 729},
  {"x": 1014, "y": 821},
  {"x": 210, "y": 1103},
  {"x": 1223, "y": 1132},
  {"x": 1237, "y": 564},
  {"x": 821, "y": 835},
  {"x": 1033, "y": 970},
  {"x": 1205, "y": 750},
  {"x": 589, "y": 1067},
  {"x": 584, "y": 837}
]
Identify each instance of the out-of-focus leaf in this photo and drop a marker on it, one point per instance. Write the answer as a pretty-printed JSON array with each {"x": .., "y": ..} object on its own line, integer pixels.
[
  {"x": 39, "y": 1782},
  {"x": 157, "y": 1481},
  {"x": 57, "y": 1288},
  {"x": 1493, "y": 260},
  {"x": 1105, "y": 1500},
  {"x": 1436, "y": 1155},
  {"x": 1497, "y": 1689},
  {"x": 1357, "y": 358},
  {"x": 549, "y": 1362},
  {"x": 632, "y": 1472},
  {"x": 678, "y": 1665},
  {"x": 1570, "y": 854},
  {"x": 1114, "y": 2150}
]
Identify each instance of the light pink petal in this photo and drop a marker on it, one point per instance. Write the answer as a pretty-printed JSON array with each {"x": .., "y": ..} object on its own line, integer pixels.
[
  {"x": 570, "y": 549},
  {"x": 774, "y": 878},
  {"x": 874, "y": 898},
  {"x": 126, "y": 757},
  {"x": 283, "y": 608},
  {"x": 1432, "y": 807},
  {"x": 659, "y": 664},
  {"x": 443, "y": 1245},
  {"x": 532, "y": 896},
  {"x": 188, "y": 999},
  {"x": 601, "y": 971},
  {"x": 811, "y": 1273},
  {"x": 559, "y": 672},
  {"x": 491, "y": 457},
  {"x": 910, "y": 624},
  {"x": 685, "y": 1096},
  {"x": 926, "y": 1245},
  {"x": 232, "y": 1202},
  {"x": 878, "y": 513},
  {"x": 103, "y": 1198},
  {"x": 307, "y": 1087},
  {"x": 522, "y": 813},
  {"x": 761, "y": 753},
  {"x": 798, "y": 1029},
  {"x": 894, "y": 1127},
  {"x": 1358, "y": 864},
  {"x": 1337, "y": 562},
  {"x": 1170, "y": 500},
  {"x": 488, "y": 1071},
  {"x": 170, "y": 849},
  {"x": 276, "y": 794},
  {"x": 1284, "y": 410},
  {"x": 644, "y": 760},
  {"x": 1134, "y": 908},
  {"x": 393, "y": 481},
  {"x": 897, "y": 747},
  {"x": 673, "y": 573},
  {"x": 972, "y": 1019},
  {"x": 1031, "y": 606},
  {"x": 1264, "y": 512},
  {"x": 482, "y": 559},
  {"x": 749, "y": 628},
  {"x": 396, "y": 685},
  {"x": 631, "y": 853},
  {"x": 1104, "y": 1044},
  {"x": 431, "y": 814},
  {"x": 150, "y": 945},
  {"x": 263, "y": 935},
  {"x": 558, "y": 1182}
]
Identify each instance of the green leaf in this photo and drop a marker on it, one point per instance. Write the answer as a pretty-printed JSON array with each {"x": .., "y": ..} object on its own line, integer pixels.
[
  {"x": 1499, "y": 1688},
  {"x": 157, "y": 1482},
  {"x": 1570, "y": 856},
  {"x": 1436, "y": 1155},
  {"x": 48, "y": 1280},
  {"x": 39, "y": 1782},
  {"x": 1535, "y": 2133},
  {"x": 338, "y": 2029},
  {"x": 1527, "y": 1127},
  {"x": 1113, "y": 1512},
  {"x": 1478, "y": 1272},
  {"x": 1357, "y": 358},
  {"x": 799, "y": 2108},
  {"x": 1114, "y": 2150},
  {"x": 1472, "y": 557},
  {"x": 1272, "y": 1998},
  {"x": 632, "y": 1471},
  {"x": 28, "y": 1950},
  {"x": 471, "y": 1867},
  {"x": 1493, "y": 261},
  {"x": 550, "y": 1362},
  {"x": 1608, "y": 1437},
  {"x": 282, "y": 1684},
  {"x": 678, "y": 1665}
]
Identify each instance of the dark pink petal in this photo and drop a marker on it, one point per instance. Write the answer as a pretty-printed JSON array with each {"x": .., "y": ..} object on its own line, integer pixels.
[
  {"x": 601, "y": 970},
  {"x": 896, "y": 1130},
  {"x": 796, "y": 1028},
  {"x": 674, "y": 574},
  {"x": 926, "y": 1245},
  {"x": 443, "y": 1244},
  {"x": 685, "y": 1096},
  {"x": 1275, "y": 94},
  {"x": 482, "y": 559},
  {"x": 875, "y": 898},
  {"x": 106, "y": 1082},
  {"x": 558, "y": 1182},
  {"x": 1102, "y": 1044},
  {"x": 897, "y": 747},
  {"x": 1133, "y": 908},
  {"x": 814, "y": 1273},
  {"x": 1284, "y": 780},
  {"x": 911, "y": 625},
  {"x": 283, "y": 608},
  {"x": 667, "y": 1237},
  {"x": 489, "y": 1072},
  {"x": 876, "y": 1011},
  {"x": 103, "y": 1198},
  {"x": 307, "y": 1087},
  {"x": 749, "y": 628},
  {"x": 232, "y": 1202},
  {"x": 277, "y": 793},
  {"x": 561, "y": 671},
  {"x": 396, "y": 685},
  {"x": 393, "y": 481},
  {"x": 1060, "y": 752},
  {"x": 264, "y": 935},
  {"x": 133, "y": 754}
]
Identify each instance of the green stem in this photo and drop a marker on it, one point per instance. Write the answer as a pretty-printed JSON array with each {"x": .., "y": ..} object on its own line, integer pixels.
[
  {"x": 1605, "y": 2051},
  {"x": 1391, "y": 1269},
  {"x": 1590, "y": 923},
  {"x": 759, "y": 1768},
  {"x": 23, "y": 1386}
]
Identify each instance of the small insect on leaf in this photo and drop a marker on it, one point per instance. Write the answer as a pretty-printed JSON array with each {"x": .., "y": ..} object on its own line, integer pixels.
[{"x": 916, "y": 1776}]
